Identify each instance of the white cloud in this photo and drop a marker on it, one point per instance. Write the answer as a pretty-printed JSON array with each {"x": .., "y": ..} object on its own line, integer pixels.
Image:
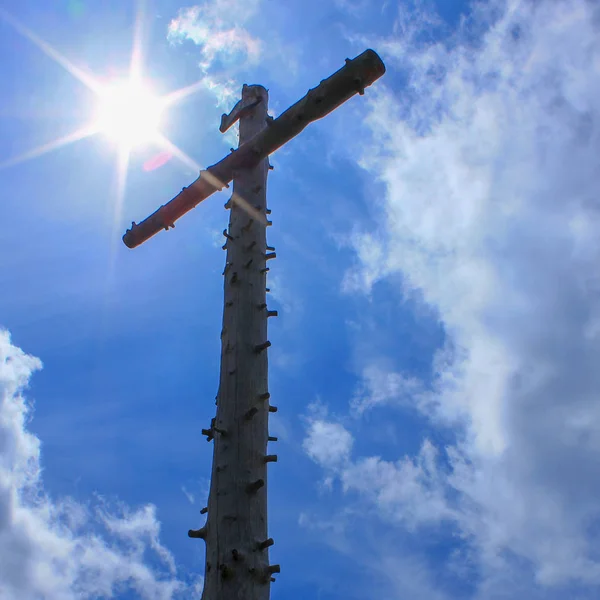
[
  {"x": 409, "y": 491},
  {"x": 62, "y": 549},
  {"x": 327, "y": 443},
  {"x": 489, "y": 162},
  {"x": 226, "y": 92},
  {"x": 380, "y": 387},
  {"x": 218, "y": 28},
  {"x": 371, "y": 255},
  {"x": 233, "y": 37}
]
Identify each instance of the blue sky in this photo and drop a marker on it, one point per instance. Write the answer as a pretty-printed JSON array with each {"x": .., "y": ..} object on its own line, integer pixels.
[{"x": 434, "y": 359}]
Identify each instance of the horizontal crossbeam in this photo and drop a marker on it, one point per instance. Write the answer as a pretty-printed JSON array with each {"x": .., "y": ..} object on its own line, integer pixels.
[{"x": 351, "y": 79}]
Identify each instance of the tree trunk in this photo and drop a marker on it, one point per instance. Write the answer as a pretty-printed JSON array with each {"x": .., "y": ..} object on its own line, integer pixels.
[{"x": 237, "y": 561}]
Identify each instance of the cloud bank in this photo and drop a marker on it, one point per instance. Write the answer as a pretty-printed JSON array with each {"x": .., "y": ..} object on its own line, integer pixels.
[
  {"x": 63, "y": 549},
  {"x": 488, "y": 163}
]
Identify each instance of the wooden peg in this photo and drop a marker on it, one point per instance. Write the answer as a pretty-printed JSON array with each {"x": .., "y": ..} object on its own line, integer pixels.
[
  {"x": 272, "y": 313},
  {"x": 272, "y": 409},
  {"x": 226, "y": 572},
  {"x": 270, "y": 256},
  {"x": 265, "y": 544},
  {"x": 265, "y": 270},
  {"x": 272, "y": 438},
  {"x": 264, "y": 396},
  {"x": 360, "y": 85},
  {"x": 247, "y": 265},
  {"x": 198, "y": 533},
  {"x": 261, "y": 306},
  {"x": 268, "y": 571},
  {"x": 270, "y": 248},
  {"x": 270, "y": 458},
  {"x": 204, "y": 510},
  {"x": 253, "y": 487},
  {"x": 237, "y": 555},
  {"x": 229, "y": 237},
  {"x": 251, "y": 413},
  {"x": 258, "y": 349}
]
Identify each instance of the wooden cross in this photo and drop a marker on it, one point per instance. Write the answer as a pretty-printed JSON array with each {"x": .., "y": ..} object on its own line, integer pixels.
[{"x": 236, "y": 534}]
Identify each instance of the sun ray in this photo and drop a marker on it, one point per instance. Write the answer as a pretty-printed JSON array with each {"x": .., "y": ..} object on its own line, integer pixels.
[
  {"x": 184, "y": 92},
  {"x": 85, "y": 78},
  {"x": 131, "y": 91},
  {"x": 168, "y": 145},
  {"x": 65, "y": 140},
  {"x": 248, "y": 208},
  {"x": 123, "y": 157},
  {"x": 122, "y": 169},
  {"x": 135, "y": 64},
  {"x": 189, "y": 162}
]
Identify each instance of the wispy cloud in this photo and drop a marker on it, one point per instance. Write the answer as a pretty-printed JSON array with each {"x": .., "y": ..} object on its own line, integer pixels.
[
  {"x": 488, "y": 159},
  {"x": 60, "y": 548},
  {"x": 190, "y": 497},
  {"x": 218, "y": 29},
  {"x": 226, "y": 47},
  {"x": 380, "y": 387}
]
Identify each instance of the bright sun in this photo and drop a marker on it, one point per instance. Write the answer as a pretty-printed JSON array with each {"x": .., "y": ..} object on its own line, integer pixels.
[{"x": 128, "y": 113}]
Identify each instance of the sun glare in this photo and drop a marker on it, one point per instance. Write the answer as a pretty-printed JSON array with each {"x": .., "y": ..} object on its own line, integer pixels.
[{"x": 128, "y": 113}]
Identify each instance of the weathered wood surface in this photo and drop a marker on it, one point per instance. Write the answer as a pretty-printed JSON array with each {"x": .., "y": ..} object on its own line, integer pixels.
[
  {"x": 237, "y": 555},
  {"x": 351, "y": 79}
]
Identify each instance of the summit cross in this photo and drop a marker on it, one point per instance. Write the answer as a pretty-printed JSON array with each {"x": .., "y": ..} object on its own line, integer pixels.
[{"x": 235, "y": 532}]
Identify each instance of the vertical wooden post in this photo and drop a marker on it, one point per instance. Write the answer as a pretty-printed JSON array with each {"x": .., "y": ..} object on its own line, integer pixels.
[{"x": 236, "y": 535}]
